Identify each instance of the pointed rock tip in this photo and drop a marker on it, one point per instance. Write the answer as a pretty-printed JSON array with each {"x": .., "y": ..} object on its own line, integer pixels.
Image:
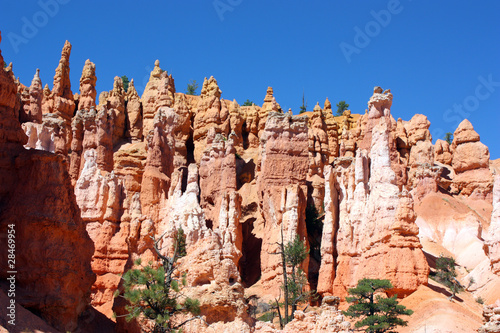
[{"x": 465, "y": 124}]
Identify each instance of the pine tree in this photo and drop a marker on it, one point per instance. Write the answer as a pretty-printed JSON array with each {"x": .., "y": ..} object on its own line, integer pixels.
[
  {"x": 446, "y": 274},
  {"x": 303, "y": 107},
  {"x": 341, "y": 107},
  {"x": 125, "y": 82},
  {"x": 292, "y": 255},
  {"x": 248, "y": 103},
  {"x": 448, "y": 137},
  {"x": 191, "y": 87},
  {"x": 295, "y": 254},
  {"x": 153, "y": 292},
  {"x": 378, "y": 314}
]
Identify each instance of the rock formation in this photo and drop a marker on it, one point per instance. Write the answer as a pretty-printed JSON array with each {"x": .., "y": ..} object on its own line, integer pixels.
[
  {"x": 491, "y": 318},
  {"x": 319, "y": 151},
  {"x": 234, "y": 178},
  {"x": 332, "y": 130},
  {"x": 471, "y": 163},
  {"x": 134, "y": 113},
  {"x": 211, "y": 113},
  {"x": 284, "y": 163},
  {"x": 149, "y": 97},
  {"x": 60, "y": 100},
  {"x": 53, "y": 250},
  {"x": 375, "y": 223},
  {"x": 87, "y": 87},
  {"x": 116, "y": 105},
  {"x": 32, "y": 108},
  {"x": 217, "y": 175}
]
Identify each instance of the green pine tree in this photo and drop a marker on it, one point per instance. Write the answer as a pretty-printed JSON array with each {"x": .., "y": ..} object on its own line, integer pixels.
[
  {"x": 192, "y": 86},
  {"x": 292, "y": 255},
  {"x": 295, "y": 253},
  {"x": 303, "y": 107},
  {"x": 341, "y": 107},
  {"x": 448, "y": 137},
  {"x": 378, "y": 314},
  {"x": 446, "y": 274},
  {"x": 154, "y": 294},
  {"x": 125, "y": 82},
  {"x": 248, "y": 103}
]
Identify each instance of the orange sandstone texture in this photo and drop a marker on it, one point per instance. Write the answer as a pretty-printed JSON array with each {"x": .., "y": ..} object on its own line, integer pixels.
[{"x": 53, "y": 250}]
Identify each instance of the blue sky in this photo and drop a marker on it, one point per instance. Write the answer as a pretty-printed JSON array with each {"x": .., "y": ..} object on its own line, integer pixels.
[{"x": 439, "y": 58}]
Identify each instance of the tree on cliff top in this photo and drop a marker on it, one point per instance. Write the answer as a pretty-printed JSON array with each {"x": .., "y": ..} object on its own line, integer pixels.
[
  {"x": 379, "y": 314},
  {"x": 153, "y": 292},
  {"x": 448, "y": 137},
  {"x": 125, "y": 82},
  {"x": 341, "y": 107},
  {"x": 248, "y": 103},
  {"x": 303, "y": 107},
  {"x": 192, "y": 86}
]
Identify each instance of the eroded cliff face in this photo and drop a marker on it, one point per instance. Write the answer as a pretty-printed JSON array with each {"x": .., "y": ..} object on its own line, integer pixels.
[
  {"x": 52, "y": 248},
  {"x": 128, "y": 169}
]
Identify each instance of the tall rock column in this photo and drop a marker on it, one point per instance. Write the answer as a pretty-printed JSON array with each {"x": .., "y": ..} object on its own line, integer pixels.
[
  {"x": 331, "y": 130},
  {"x": 328, "y": 239},
  {"x": 87, "y": 87},
  {"x": 422, "y": 175},
  {"x": 470, "y": 163},
  {"x": 217, "y": 175},
  {"x": 134, "y": 112},
  {"x": 211, "y": 112},
  {"x": 374, "y": 222},
  {"x": 283, "y": 165},
  {"x": 116, "y": 105}
]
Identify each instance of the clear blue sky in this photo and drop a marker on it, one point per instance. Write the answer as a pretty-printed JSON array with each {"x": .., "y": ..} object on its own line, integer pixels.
[{"x": 439, "y": 58}]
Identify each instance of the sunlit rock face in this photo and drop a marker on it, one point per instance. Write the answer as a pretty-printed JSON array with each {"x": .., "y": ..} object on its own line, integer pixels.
[{"x": 100, "y": 179}]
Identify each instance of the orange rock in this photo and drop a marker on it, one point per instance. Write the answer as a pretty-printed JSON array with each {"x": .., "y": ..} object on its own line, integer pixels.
[
  {"x": 283, "y": 164},
  {"x": 32, "y": 103},
  {"x": 418, "y": 129},
  {"x": 61, "y": 94},
  {"x": 217, "y": 175},
  {"x": 91, "y": 130},
  {"x": 53, "y": 250},
  {"x": 442, "y": 152},
  {"x": 148, "y": 98},
  {"x": 134, "y": 113},
  {"x": 211, "y": 113},
  {"x": 471, "y": 163},
  {"x": 87, "y": 87},
  {"x": 237, "y": 119},
  {"x": 375, "y": 223},
  {"x": 116, "y": 105},
  {"x": 332, "y": 130},
  {"x": 318, "y": 142}
]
